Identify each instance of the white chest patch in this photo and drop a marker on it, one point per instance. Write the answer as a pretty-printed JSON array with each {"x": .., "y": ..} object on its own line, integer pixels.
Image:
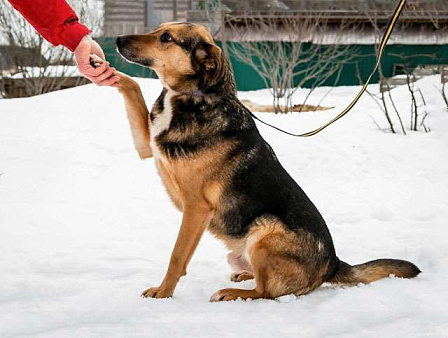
[{"x": 162, "y": 120}]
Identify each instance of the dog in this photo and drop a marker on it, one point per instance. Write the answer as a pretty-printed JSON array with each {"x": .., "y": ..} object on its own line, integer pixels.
[{"x": 220, "y": 172}]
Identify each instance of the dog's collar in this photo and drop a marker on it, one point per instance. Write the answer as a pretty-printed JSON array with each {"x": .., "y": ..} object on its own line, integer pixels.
[{"x": 194, "y": 93}]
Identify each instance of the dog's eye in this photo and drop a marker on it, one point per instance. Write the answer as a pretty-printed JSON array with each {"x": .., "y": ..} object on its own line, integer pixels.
[{"x": 165, "y": 37}]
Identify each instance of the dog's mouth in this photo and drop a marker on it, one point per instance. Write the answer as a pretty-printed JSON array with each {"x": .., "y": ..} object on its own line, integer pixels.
[{"x": 126, "y": 49}]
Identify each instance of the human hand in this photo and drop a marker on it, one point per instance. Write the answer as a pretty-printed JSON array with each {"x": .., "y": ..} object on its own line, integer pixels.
[
  {"x": 102, "y": 75},
  {"x": 124, "y": 82}
]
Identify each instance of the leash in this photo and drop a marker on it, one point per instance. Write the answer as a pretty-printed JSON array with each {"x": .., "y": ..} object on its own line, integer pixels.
[{"x": 386, "y": 36}]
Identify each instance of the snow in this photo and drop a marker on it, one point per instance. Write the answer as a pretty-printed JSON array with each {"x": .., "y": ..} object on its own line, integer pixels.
[
  {"x": 85, "y": 226},
  {"x": 49, "y": 71}
]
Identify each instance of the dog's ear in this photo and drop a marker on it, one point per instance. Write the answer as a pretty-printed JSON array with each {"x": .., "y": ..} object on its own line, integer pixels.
[{"x": 208, "y": 59}]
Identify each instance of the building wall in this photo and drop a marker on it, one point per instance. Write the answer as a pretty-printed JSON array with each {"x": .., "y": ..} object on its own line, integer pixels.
[{"x": 124, "y": 17}]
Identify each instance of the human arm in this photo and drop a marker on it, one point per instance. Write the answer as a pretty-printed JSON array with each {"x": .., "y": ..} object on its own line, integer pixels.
[{"x": 56, "y": 21}]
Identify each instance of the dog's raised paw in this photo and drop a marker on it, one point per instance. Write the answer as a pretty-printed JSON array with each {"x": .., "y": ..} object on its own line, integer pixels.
[{"x": 157, "y": 292}]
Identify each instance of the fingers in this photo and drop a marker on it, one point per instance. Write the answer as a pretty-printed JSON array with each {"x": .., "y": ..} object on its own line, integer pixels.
[
  {"x": 109, "y": 82},
  {"x": 107, "y": 74},
  {"x": 101, "y": 76},
  {"x": 87, "y": 70},
  {"x": 95, "y": 61}
]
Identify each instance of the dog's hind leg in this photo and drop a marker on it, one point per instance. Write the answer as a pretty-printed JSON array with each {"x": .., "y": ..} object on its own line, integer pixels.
[
  {"x": 241, "y": 267},
  {"x": 284, "y": 262},
  {"x": 233, "y": 294}
]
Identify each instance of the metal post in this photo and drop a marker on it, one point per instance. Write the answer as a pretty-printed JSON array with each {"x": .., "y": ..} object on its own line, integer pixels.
[
  {"x": 150, "y": 14},
  {"x": 174, "y": 10}
]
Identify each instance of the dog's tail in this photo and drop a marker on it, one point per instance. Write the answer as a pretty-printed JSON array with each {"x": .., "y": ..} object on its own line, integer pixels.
[{"x": 366, "y": 273}]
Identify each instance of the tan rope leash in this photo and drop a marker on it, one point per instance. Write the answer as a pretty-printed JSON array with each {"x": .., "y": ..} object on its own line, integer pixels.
[{"x": 387, "y": 34}]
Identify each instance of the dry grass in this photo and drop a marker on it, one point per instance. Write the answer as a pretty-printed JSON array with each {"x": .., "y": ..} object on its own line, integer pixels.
[{"x": 270, "y": 109}]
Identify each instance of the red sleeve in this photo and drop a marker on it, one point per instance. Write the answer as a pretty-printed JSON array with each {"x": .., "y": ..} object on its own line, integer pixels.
[{"x": 55, "y": 20}]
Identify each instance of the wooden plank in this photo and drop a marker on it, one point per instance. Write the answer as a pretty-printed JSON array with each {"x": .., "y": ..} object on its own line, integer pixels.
[
  {"x": 135, "y": 3},
  {"x": 125, "y": 17},
  {"x": 167, "y": 7},
  {"x": 124, "y": 10}
]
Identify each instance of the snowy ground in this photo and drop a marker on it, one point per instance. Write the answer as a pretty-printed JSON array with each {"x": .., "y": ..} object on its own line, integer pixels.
[{"x": 85, "y": 226}]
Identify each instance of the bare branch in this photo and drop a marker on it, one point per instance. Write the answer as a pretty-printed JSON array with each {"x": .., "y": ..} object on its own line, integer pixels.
[
  {"x": 278, "y": 49},
  {"x": 41, "y": 66}
]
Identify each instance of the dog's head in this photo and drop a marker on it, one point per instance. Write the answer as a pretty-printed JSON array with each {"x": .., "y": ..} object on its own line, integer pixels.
[{"x": 183, "y": 55}]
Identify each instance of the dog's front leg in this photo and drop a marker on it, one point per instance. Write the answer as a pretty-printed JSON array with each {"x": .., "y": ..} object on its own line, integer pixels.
[
  {"x": 138, "y": 114},
  {"x": 194, "y": 222},
  {"x": 136, "y": 109}
]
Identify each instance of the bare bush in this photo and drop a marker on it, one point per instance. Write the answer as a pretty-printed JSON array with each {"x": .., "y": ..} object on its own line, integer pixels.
[
  {"x": 406, "y": 64},
  {"x": 381, "y": 102},
  {"x": 279, "y": 49},
  {"x": 444, "y": 95},
  {"x": 444, "y": 80}
]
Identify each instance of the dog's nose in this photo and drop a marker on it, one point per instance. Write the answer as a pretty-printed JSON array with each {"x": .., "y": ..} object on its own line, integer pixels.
[{"x": 121, "y": 41}]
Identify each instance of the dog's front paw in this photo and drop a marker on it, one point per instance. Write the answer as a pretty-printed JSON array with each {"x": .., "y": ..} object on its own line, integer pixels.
[
  {"x": 157, "y": 292},
  {"x": 125, "y": 83}
]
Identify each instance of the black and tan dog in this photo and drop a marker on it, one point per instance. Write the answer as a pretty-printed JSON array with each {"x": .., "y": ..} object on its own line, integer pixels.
[{"x": 224, "y": 177}]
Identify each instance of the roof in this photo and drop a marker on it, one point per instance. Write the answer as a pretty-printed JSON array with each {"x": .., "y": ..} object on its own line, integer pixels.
[
  {"x": 11, "y": 56},
  {"x": 422, "y": 21},
  {"x": 354, "y": 9}
]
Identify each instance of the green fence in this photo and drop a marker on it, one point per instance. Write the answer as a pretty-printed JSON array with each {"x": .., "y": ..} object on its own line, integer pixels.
[{"x": 359, "y": 67}]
